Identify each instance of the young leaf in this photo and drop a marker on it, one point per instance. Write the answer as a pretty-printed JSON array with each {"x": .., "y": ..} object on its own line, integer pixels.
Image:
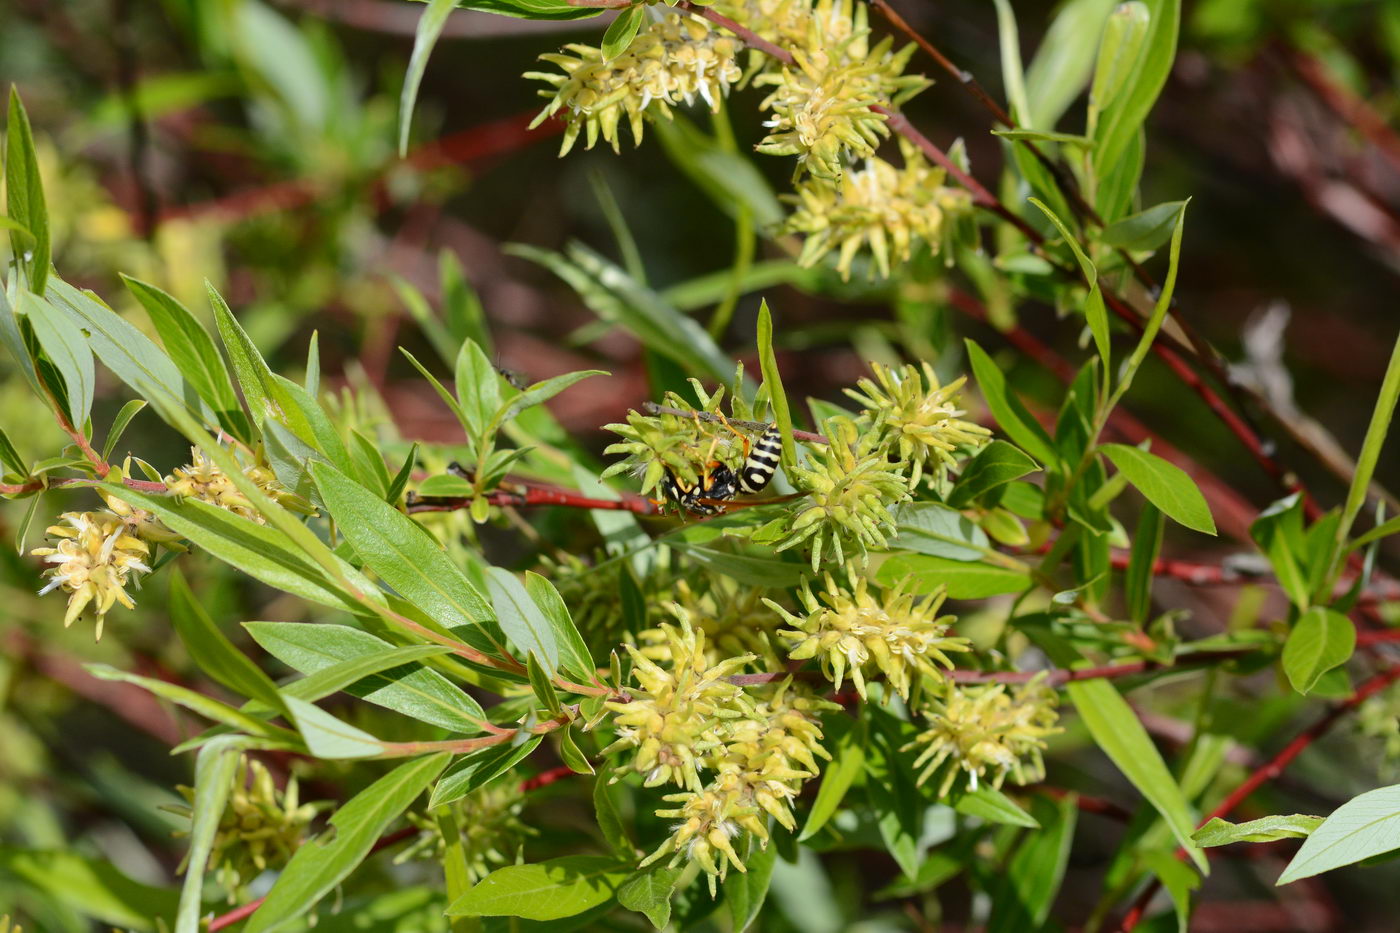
[
  {"x": 1363, "y": 827},
  {"x": 24, "y": 197},
  {"x": 214, "y": 769},
  {"x": 212, "y": 651},
  {"x": 1134, "y": 61},
  {"x": 994, "y": 466},
  {"x": 1321, "y": 639},
  {"x": 990, "y": 804},
  {"x": 1013, "y": 418},
  {"x": 1026, "y": 890},
  {"x": 424, "y": 38},
  {"x": 560, "y": 887},
  {"x": 478, "y": 388},
  {"x": 622, "y": 31},
  {"x": 1371, "y": 446},
  {"x": 1064, "y": 61},
  {"x": 1145, "y": 230},
  {"x": 1279, "y": 533},
  {"x": 1165, "y": 485},
  {"x": 542, "y": 688},
  {"x": 848, "y": 761},
  {"x": 194, "y": 352},
  {"x": 400, "y": 551},
  {"x": 542, "y": 392},
  {"x": 254, "y": 376},
  {"x": 66, "y": 346},
  {"x": 1220, "y": 832},
  {"x": 1117, "y": 730},
  {"x": 114, "y": 434},
  {"x": 1147, "y": 544},
  {"x": 745, "y": 892},
  {"x": 521, "y": 619},
  {"x": 410, "y": 689},
  {"x": 323, "y": 863},
  {"x": 10, "y": 457},
  {"x": 479, "y": 769},
  {"x": 573, "y": 653},
  {"x": 1012, "y": 75},
  {"x": 773, "y": 381},
  {"x": 649, "y": 892}
]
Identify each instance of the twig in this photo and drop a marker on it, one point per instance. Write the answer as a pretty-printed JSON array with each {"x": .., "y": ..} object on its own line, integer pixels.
[
  {"x": 1267, "y": 772},
  {"x": 534, "y": 495},
  {"x": 18, "y": 489},
  {"x": 750, "y": 38}
]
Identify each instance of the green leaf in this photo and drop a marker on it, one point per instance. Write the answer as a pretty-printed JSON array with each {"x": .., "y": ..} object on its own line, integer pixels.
[
  {"x": 1095, "y": 314},
  {"x": 994, "y": 466},
  {"x": 1026, "y": 890},
  {"x": 1064, "y": 61},
  {"x": 400, "y": 551},
  {"x": 574, "y": 657},
  {"x": 257, "y": 550},
  {"x": 1321, "y": 639},
  {"x": 129, "y": 353},
  {"x": 409, "y": 689},
  {"x": 323, "y": 863},
  {"x": 744, "y": 568},
  {"x": 1012, "y": 76},
  {"x": 1135, "y": 58},
  {"x": 745, "y": 892},
  {"x": 1038, "y": 136},
  {"x": 543, "y": 391},
  {"x": 622, "y": 30},
  {"x": 1117, "y": 730},
  {"x": 521, "y": 618},
  {"x": 11, "y": 458},
  {"x": 191, "y": 700},
  {"x": 479, "y": 769},
  {"x": 532, "y": 9},
  {"x": 541, "y": 687},
  {"x": 1220, "y": 832},
  {"x": 1145, "y": 230},
  {"x": 328, "y": 738},
  {"x": 1363, "y": 827},
  {"x": 214, "y": 654},
  {"x": 424, "y": 38},
  {"x": 649, "y": 892},
  {"x": 611, "y": 826},
  {"x": 114, "y": 434},
  {"x": 24, "y": 197},
  {"x": 1147, "y": 544},
  {"x": 343, "y": 674},
  {"x": 964, "y": 580},
  {"x": 935, "y": 529},
  {"x": 560, "y": 887},
  {"x": 67, "y": 348},
  {"x": 1013, "y": 418},
  {"x": 1179, "y": 881},
  {"x": 1165, "y": 485},
  {"x": 254, "y": 376},
  {"x": 478, "y": 386},
  {"x": 848, "y": 761},
  {"x": 1086, "y": 265},
  {"x": 89, "y": 887},
  {"x": 990, "y": 804},
  {"x": 734, "y": 184},
  {"x": 1279, "y": 533},
  {"x": 214, "y": 769},
  {"x": 1371, "y": 446},
  {"x": 194, "y": 353}
]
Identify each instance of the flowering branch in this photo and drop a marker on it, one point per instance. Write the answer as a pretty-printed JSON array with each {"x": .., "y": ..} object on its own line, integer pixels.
[
  {"x": 805, "y": 436},
  {"x": 18, "y": 489}
]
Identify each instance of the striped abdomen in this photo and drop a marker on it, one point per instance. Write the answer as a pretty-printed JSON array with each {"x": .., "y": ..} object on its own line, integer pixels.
[{"x": 762, "y": 463}]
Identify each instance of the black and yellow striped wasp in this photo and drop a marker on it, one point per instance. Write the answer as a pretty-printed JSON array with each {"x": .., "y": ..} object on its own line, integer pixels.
[{"x": 719, "y": 483}]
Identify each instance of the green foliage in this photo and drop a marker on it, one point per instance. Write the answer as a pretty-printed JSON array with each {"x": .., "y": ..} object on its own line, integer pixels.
[{"x": 464, "y": 630}]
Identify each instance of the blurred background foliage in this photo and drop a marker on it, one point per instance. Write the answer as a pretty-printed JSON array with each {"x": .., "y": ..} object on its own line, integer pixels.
[{"x": 253, "y": 144}]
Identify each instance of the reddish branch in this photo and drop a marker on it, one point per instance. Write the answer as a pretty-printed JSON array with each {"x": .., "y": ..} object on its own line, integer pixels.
[
  {"x": 16, "y": 489},
  {"x": 536, "y": 495},
  {"x": 1267, "y": 772},
  {"x": 1350, "y": 108}
]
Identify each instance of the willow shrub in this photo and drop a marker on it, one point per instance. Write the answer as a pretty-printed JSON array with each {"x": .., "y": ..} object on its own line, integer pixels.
[{"x": 729, "y": 679}]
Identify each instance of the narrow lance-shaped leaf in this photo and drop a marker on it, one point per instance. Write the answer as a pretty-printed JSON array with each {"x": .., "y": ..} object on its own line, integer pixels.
[
  {"x": 1117, "y": 730},
  {"x": 424, "y": 38},
  {"x": 321, "y": 864},
  {"x": 66, "y": 346},
  {"x": 212, "y": 651},
  {"x": 213, "y": 778},
  {"x": 521, "y": 619},
  {"x": 24, "y": 196},
  {"x": 1166, "y": 485}
]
